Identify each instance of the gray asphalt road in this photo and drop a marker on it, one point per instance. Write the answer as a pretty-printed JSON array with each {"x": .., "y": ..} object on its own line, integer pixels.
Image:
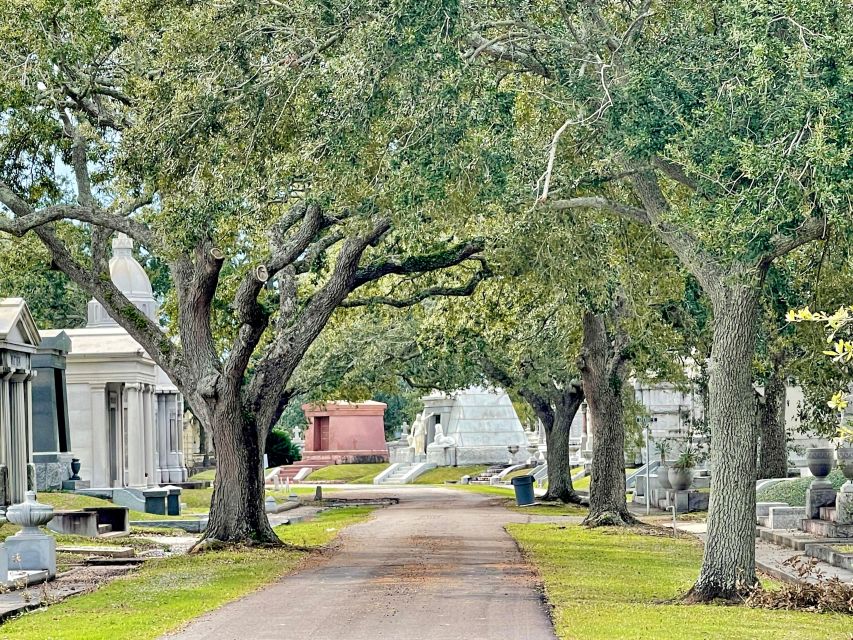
[{"x": 438, "y": 566}]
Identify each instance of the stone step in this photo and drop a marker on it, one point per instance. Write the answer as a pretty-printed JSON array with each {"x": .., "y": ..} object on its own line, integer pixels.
[
  {"x": 104, "y": 528},
  {"x": 834, "y": 554},
  {"x": 827, "y": 529},
  {"x": 828, "y": 514},
  {"x": 763, "y": 508},
  {"x": 287, "y": 472},
  {"x": 111, "y": 552},
  {"x": 796, "y": 540},
  {"x": 785, "y": 517}
]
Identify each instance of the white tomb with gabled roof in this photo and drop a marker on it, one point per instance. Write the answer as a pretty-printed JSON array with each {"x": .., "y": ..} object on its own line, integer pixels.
[{"x": 19, "y": 339}]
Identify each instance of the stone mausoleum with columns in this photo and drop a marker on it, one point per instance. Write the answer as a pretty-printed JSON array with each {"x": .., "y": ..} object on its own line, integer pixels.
[
  {"x": 19, "y": 340},
  {"x": 125, "y": 415}
]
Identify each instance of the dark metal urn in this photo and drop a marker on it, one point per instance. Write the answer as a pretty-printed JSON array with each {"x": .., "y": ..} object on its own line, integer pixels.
[{"x": 75, "y": 468}]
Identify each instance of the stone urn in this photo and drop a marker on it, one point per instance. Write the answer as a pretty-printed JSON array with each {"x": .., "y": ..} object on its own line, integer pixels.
[
  {"x": 845, "y": 461},
  {"x": 75, "y": 468},
  {"x": 680, "y": 478},
  {"x": 30, "y": 514},
  {"x": 663, "y": 476},
  {"x": 820, "y": 461}
]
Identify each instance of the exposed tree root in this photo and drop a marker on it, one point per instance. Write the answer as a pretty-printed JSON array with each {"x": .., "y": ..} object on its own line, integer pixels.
[
  {"x": 697, "y": 596},
  {"x": 213, "y": 544},
  {"x": 567, "y": 497},
  {"x": 610, "y": 518}
]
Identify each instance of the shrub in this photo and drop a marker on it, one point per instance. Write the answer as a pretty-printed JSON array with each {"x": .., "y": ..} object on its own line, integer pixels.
[
  {"x": 280, "y": 449},
  {"x": 793, "y": 492}
]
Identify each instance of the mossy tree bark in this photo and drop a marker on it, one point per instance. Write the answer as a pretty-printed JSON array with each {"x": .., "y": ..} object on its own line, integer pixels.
[
  {"x": 555, "y": 404},
  {"x": 557, "y": 417},
  {"x": 729, "y": 560},
  {"x": 773, "y": 438},
  {"x": 604, "y": 368}
]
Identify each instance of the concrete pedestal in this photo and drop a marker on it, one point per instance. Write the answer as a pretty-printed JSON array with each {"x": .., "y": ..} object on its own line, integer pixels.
[
  {"x": 73, "y": 485},
  {"x": 441, "y": 456},
  {"x": 173, "y": 500},
  {"x": 844, "y": 504},
  {"x": 155, "y": 501},
  {"x": 817, "y": 497},
  {"x": 31, "y": 552}
]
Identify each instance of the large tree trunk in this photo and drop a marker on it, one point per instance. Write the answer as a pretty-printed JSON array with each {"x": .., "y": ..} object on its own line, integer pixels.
[
  {"x": 237, "y": 511},
  {"x": 604, "y": 374},
  {"x": 559, "y": 457},
  {"x": 729, "y": 559},
  {"x": 773, "y": 447}
]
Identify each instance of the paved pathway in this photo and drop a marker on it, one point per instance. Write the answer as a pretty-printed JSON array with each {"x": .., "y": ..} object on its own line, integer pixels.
[{"x": 438, "y": 566}]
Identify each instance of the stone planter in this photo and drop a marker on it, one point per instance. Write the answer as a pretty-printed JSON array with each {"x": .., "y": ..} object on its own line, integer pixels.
[
  {"x": 30, "y": 515},
  {"x": 680, "y": 479},
  {"x": 820, "y": 461},
  {"x": 845, "y": 462},
  {"x": 663, "y": 476}
]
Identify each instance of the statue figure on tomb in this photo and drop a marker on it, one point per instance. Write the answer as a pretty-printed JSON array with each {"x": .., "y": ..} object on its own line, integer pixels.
[
  {"x": 418, "y": 438},
  {"x": 442, "y": 440}
]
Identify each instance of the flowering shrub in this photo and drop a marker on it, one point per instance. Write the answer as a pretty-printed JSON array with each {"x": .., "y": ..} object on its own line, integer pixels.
[{"x": 839, "y": 327}]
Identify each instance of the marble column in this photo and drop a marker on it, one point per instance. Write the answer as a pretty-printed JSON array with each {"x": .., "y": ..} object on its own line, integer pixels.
[
  {"x": 17, "y": 458},
  {"x": 162, "y": 438},
  {"x": 135, "y": 437},
  {"x": 99, "y": 463},
  {"x": 5, "y": 418},
  {"x": 150, "y": 444}
]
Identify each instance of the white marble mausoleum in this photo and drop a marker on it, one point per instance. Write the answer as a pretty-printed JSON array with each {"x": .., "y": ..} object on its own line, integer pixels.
[{"x": 125, "y": 415}]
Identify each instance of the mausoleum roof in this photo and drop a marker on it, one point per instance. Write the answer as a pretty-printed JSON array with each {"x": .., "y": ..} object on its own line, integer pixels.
[
  {"x": 130, "y": 278},
  {"x": 16, "y": 323},
  {"x": 100, "y": 340},
  {"x": 126, "y": 273}
]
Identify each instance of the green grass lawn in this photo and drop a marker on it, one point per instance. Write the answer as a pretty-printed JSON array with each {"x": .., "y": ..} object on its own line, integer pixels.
[
  {"x": 494, "y": 490},
  {"x": 550, "y": 509},
  {"x": 348, "y": 473},
  {"x": 197, "y": 502},
  {"x": 166, "y": 593},
  {"x": 62, "y": 500},
  {"x": 606, "y": 585},
  {"x": 582, "y": 484},
  {"x": 206, "y": 475},
  {"x": 441, "y": 474}
]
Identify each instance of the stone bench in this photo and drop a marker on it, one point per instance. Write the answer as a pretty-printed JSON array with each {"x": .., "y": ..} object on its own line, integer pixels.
[{"x": 91, "y": 522}]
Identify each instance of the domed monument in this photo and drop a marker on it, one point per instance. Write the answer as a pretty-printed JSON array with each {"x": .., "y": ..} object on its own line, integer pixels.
[{"x": 125, "y": 415}]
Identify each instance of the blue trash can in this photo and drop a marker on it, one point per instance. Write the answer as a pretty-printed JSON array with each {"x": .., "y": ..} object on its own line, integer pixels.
[{"x": 523, "y": 490}]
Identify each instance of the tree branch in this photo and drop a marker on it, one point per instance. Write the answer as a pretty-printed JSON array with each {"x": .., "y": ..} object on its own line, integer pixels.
[
  {"x": 634, "y": 214},
  {"x": 813, "y": 228},
  {"x": 674, "y": 172},
  {"x": 495, "y": 50},
  {"x": 430, "y": 292},
  {"x": 418, "y": 264},
  {"x": 26, "y": 218}
]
